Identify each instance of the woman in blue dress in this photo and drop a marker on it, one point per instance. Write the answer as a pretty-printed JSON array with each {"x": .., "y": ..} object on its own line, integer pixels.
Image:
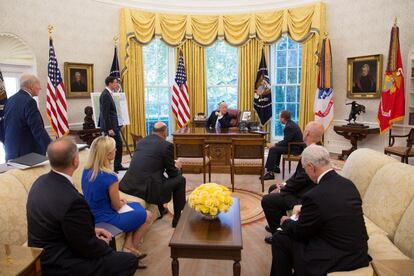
[{"x": 101, "y": 190}]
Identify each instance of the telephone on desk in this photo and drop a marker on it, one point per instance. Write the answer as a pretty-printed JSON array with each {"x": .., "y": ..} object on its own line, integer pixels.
[{"x": 249, "y": 126}]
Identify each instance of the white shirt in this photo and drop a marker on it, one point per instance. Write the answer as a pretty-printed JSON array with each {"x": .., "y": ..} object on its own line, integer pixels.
[
  {"x": 68, "y": 177},
  {"x": 320, "y": 177}
]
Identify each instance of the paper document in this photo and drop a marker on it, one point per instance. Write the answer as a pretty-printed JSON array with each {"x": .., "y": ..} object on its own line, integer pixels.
[{"x": 124, "y": 209}]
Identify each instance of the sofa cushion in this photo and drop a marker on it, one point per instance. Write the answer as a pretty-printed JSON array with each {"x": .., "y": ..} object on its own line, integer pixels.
[
  {"x": 372, "y": 228},
  {"x": 77, "y": 175},
  {"x": 388, "y": 196},
  {"x": 364, "y": 271},
  {"x": 28, "y": 176},
  {"x": 381, "y": 248},
  {"x": 13, "y": 223},
  {"x": 362, "y": 165},
  {"x": 404, "y": 236}
]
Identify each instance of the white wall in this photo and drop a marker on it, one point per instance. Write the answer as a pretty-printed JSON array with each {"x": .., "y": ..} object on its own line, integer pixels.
[
  {"x": 358, "y": 28},
  {"x": 83, "y": 33}
]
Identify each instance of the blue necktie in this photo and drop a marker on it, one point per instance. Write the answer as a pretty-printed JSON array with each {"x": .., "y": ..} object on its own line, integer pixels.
[{"x": 218, "y": 125}]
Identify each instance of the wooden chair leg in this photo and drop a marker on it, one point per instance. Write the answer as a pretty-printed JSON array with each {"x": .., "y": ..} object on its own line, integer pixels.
[
  {"x": 262, "y": 180},
  {"x": 209, "y": 171},
  {"x": 283, "y": 168},
  {"x": 204, "y": 174},
  {"x": 290, "y": 165},
  {"x": 232, "y": 178}
]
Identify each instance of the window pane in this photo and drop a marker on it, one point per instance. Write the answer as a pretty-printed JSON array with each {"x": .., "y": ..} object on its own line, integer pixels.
[
  {"x": 278, "y": 129},
  {"x": 298, "y": 93},
  {"x": 291, "y": 94},
  {"x": 281, "y": 76},
  {"x": 222, "y": 75},
  {"x": 292, "y": 76},
  {"x": 292, "y": 44},
  {"x": 292, "y": 58},
  {"x": 10, "y": 84},
  {"x": 280, "y": 94},
  {"x": 291, "y": 108},
  {"x": 282, "y": 43},
  {"x": 156, "y": 63},
  {"x": 281, "y": 59}
]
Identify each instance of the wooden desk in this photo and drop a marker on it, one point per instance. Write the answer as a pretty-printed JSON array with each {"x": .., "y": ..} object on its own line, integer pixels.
[
  {"x": 197, "y": 238},
  {"x": 199, "y": 123},
  {"x": 393, "y": 267},
  {"x": 220, "y": 143},
  {"x": 20, "y": 260},
  {"x": 353, "y": 134}
]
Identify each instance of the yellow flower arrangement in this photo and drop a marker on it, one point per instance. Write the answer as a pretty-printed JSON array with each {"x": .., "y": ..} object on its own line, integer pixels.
[{"x": 210, "y": 199}]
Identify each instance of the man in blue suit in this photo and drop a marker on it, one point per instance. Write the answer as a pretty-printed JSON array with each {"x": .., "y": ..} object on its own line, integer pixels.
[{"x": 23, "y": 125}]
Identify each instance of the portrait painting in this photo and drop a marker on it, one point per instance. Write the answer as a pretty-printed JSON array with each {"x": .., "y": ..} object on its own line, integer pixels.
[
  {"x": 78, "y": 80},
  {"x": 364, "y": 77}
]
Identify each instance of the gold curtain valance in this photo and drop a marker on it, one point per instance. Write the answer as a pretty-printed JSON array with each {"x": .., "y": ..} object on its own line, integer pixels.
[{"x": 236, "y": 29}]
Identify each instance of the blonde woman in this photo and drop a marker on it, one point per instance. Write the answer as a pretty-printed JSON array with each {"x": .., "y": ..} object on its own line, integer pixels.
[{"x": 101, "y": 190}]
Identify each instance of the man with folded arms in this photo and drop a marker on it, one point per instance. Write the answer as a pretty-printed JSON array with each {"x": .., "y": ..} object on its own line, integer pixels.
[
  {"x": 330, "y": 233},
  {"x": 59, "y": 221},
  {"x": 283, "y": 196}
]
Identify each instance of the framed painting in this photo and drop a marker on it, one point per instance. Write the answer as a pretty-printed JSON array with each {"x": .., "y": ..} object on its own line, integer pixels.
[
  {"x": 364, "y": 77},
  {"x": 78, "y": 80}
]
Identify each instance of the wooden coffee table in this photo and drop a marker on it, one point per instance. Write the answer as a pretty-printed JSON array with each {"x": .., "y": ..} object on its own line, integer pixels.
[
  {"x": 20, "y": 260},
  {"x": 198, "y": 238}
]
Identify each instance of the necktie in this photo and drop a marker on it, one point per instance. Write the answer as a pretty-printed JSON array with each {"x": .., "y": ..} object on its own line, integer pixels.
[{"x": 218, "y": 125}]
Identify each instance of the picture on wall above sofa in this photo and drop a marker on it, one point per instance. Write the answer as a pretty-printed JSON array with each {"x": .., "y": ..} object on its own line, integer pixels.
[{"x": 364, "y": 77}]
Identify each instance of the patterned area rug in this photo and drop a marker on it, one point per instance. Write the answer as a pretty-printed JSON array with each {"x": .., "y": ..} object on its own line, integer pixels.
[{"x": 250, "y": 207}]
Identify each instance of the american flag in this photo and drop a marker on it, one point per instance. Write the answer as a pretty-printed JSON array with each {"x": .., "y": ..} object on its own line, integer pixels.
[
  {"x": 180, "y": 97},
  {"x": 55, "y": 99}
]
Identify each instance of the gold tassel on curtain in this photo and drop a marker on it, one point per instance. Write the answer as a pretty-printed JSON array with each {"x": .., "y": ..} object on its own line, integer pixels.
[
  {"x": 194, "y": 62},
  {"x": 308, "y": 81},
  {"x": 133, "y": 82}
]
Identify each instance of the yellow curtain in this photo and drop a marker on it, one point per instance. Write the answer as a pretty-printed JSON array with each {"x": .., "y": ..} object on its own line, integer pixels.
[
  {"x": 133, "y": 84},
  {"x": 308, "y": 80},
  {"x": 236, "y": 29},
  {"x": 194, "y": 63}
]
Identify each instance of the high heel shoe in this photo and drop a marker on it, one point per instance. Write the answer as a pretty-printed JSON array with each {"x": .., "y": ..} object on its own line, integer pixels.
[{"x": 139, "y": 255}]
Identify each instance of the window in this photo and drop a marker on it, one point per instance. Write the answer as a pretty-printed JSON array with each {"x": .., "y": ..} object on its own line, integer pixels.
[
  {"x": 222, "y": 75},
  {"x": 286, "y": 63},
  {"x": 159, "y": 72}
]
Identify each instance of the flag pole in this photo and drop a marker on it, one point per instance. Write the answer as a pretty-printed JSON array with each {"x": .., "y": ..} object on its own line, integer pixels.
[{"x": 50, "y": 31}]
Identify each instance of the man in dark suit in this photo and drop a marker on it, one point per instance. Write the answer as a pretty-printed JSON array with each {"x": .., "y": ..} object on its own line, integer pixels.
[
  {"x": 283, "y": 196},
  {"x": 108, "y": 119},
  {"x": 292, "y": 133},
  {"x": 219, "y": 118},
  {"x": 23, "y": 125},
  {"x": 145, "y": 178},
  {"x": 59, "y": 221},
  {"x": 330, "y": 233}
]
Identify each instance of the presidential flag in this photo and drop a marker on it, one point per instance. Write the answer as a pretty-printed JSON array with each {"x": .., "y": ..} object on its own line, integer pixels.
[
  {"x": 56, "y": 107},
  {"x": 114, "y": 72},
  {"x": 3, "y": 100},
  {"x": 324, "y": 102},
  {"x": 392, "y": 104},
  {"x": 180, "y": 95},
  {"x": 263, "y": 93}
]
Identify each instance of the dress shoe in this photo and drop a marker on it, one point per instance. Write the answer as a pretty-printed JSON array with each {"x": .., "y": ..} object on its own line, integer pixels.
[
  {"x": 267, "y": 228},
  {"x": 269, "y": 240},
  {"x": 163, "y": 212},
  {"x": 175, "y": 222},
  {"x": 268, "y": 176}
]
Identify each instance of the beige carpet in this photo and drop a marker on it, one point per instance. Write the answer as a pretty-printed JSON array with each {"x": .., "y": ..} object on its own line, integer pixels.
[{"x": 250, "y": 206}]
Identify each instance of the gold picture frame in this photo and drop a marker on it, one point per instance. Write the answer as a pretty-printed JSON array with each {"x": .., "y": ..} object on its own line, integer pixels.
[
  {"x": 78, "y": 80},
  {"x": 364, "y": 77}
]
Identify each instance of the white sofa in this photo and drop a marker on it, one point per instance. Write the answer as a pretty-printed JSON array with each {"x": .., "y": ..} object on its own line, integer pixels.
[
  {"x": 387, "y": 190},
  {"x": 14, "y": 187}
]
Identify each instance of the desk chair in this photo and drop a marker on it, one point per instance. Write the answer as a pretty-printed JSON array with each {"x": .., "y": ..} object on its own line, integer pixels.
[
  {"x": 247, "y": 154},
  {"x": 289, "y": 157},
  {"x": 194, "y": 154},
  {"x": 401, "y": 151}
]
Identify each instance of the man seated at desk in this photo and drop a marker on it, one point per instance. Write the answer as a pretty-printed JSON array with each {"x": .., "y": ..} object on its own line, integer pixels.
[{"x": 219, "y": 118}]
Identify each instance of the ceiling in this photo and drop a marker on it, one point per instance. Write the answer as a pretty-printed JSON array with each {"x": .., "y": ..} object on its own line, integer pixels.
[{"x": 207, "y": 6}]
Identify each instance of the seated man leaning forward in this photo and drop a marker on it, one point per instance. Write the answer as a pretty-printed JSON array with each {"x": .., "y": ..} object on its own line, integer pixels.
[
  {"x": 330, "y": 233},
  {"x": 219, "y": 118},
  {"x": 283, "y": 196},
  {"x": 145, "y": 177},
  {"x": 59, "y": 221},
  {"x": 291, "y": 133}
]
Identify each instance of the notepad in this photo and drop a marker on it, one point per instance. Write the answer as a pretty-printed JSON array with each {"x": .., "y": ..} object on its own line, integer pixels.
[
  {"x": 29, "y": 160},
  {"x": 125, "y": 209}
]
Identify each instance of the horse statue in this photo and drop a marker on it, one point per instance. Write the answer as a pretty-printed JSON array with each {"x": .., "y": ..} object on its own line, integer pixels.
[{"x": 356, "y": 109}]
